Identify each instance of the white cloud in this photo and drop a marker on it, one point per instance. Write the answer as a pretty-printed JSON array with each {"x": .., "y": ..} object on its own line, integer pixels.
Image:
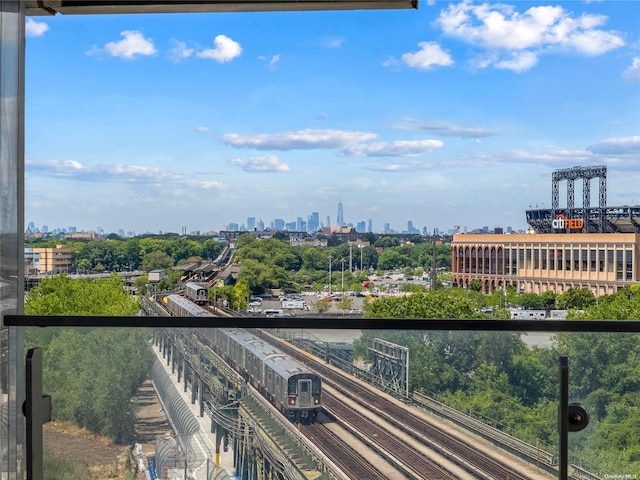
[
  {"x": 399, "y": 148},
  {"x": 180, "y": 51},
  {"x": 633, "y": 72},
  {"x": 224, "y": 50},
  {"x": 275, "y": 59},
  {"x": 35, "y": 29},
  {"x": 519, "y": 62},
  {"x": 115, "y": 173},
  {"x": 402, "y": 167},
  {"x": 300, "y": 140},
  {"x": 272, "y": 61},
  {"x": 203, "y": 129},
  {"x": 267, "y": 163},
  {"x": 617, "y": 146},
  {"x": 133, "y": 44},
  {"x": 515, "y": 39},
  {"x": 441, "y": 128},
  {"x": 333, "y": 42},
  {"x": 429, "y": 55}
]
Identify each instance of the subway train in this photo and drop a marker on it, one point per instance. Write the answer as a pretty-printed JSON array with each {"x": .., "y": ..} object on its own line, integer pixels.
[
  {"x": 286, "y": 383},
  {"x": 196, "y": 293}
]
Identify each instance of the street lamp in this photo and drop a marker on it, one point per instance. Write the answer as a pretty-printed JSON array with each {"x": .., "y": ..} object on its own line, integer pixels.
[
  {"x": 329, "y": 274},
  {"x": 361, "y": 247},
  {"x": 342, "y": 261}
]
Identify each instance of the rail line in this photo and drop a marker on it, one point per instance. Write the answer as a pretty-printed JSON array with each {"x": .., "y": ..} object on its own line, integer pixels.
[
  {"x": 455, "y": 449},
  {"x": 413, "y": 464},
  {"x": 350, "y": 462}
]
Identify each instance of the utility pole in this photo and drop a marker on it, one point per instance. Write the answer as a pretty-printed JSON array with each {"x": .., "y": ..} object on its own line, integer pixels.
[
  {"x": 329, "y": 274},
  {"x": 342, "y": 261},
  {"x": 434, "y": 267}
]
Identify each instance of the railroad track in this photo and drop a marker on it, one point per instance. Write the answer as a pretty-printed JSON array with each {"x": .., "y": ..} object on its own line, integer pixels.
[
  {"x": 437, "y": 439},
  {"x": 354, "y": 465},
  {"x": 413, "y": 464},
  {"x": 464, "y": 454}
]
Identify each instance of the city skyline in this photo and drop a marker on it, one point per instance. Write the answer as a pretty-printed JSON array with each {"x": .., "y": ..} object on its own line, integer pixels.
[
  {"x": 312, "y": 224},
  {"x": 452, "y": 114}
]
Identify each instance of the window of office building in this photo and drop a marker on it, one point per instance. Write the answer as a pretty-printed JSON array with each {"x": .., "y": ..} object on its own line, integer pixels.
[{"x": 619, "y": 264}]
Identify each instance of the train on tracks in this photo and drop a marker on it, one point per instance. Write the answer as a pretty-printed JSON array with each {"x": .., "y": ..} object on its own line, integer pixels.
[
  {"x": 286, "y": 383},
  {"x": 196, "y": 293}
]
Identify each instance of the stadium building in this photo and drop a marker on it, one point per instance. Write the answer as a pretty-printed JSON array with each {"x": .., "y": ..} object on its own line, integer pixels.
[{"x": 585, "y": 247}]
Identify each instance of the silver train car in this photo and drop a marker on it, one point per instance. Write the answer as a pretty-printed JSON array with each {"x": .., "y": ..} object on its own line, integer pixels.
[
  {"x": 196, "y": 293},
  {"x": 286, "y": 383},
  {"x": 180, "y": 306}
]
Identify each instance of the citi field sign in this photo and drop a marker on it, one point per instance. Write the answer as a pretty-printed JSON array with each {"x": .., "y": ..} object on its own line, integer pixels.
[{"x": 562, "y": 223}]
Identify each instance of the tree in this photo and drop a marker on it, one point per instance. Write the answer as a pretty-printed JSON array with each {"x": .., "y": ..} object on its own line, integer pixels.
[
  {"x": 240, "y": 299},
  {"x": 83, "y": 265},
  {"x": 211, "y": 249},
  {"x": 103, "y": 365},
  {"x": 345, "y": 303},
  {"x": 321, "y": 305},
  {"x": 575, "y": 298},
  {"x": 531, "y": 301},
  {"x": 390, "y": 259},
  {"x": 387, "y": 242},
  {"x": 156, "y": 260}
]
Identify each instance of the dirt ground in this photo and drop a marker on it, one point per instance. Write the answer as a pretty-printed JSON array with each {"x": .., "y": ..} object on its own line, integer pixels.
[{"x": 66, "y": 442}]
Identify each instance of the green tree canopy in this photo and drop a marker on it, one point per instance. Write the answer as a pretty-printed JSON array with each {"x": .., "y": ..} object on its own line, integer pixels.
[
  {"x": 91, "y": 374},
  {"x": 156, "y": 260}
]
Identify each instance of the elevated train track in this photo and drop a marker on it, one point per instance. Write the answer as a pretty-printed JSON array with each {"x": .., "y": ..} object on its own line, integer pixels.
[
  {"x": 404, "y": 457},
  {"x": 465, "y": 454}
]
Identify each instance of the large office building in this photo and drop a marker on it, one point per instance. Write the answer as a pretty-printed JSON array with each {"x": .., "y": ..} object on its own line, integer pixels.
[
  {"x": 584, "y": 247},
  {"x": 54, "y": 260},
  {"x": 601, "y": 262}
]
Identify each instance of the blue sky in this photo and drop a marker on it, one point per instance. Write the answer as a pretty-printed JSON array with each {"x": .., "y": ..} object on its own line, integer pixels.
[{"x": 453, "y": 114}]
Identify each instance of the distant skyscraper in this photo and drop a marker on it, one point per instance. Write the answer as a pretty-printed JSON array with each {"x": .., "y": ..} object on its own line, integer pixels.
[
  {"x": 361, "y": 227},
  {"x": 233, "y": 227},
  {"x": 278, "y": 224},
  {"x": 72, "y": 230},
  {"x": 387, "y": 227},
  {"x": 340, "y": 219},
  {"x": 328, "y": 221},
  {"x": 260, "y": 225},
  {"x": 251, "y": 223},
  {"x": 314, "y": 222}
]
